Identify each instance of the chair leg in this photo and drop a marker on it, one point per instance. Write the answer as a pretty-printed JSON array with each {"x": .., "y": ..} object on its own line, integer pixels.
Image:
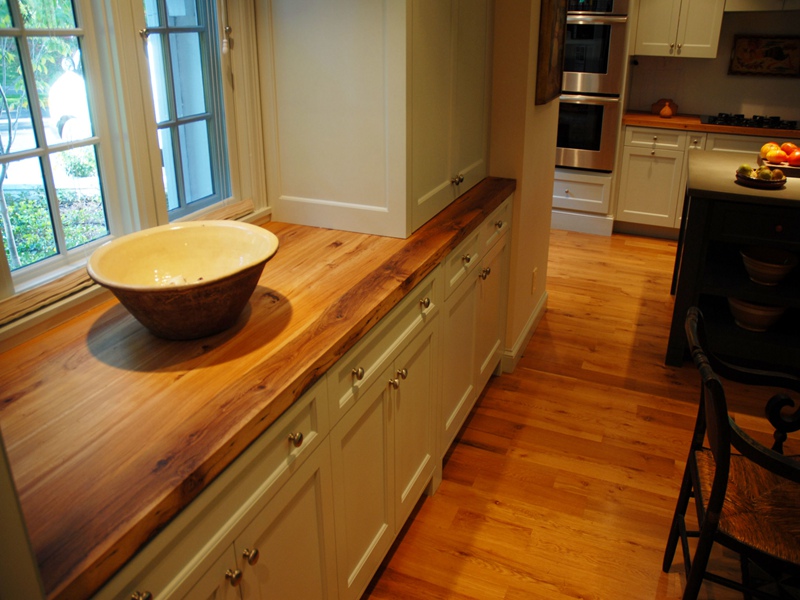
[
  {"x": 699, "y": 563},
  {"x": 684, "y": 496}
]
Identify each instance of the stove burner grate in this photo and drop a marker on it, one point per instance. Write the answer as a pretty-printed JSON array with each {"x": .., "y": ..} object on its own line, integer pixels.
[{"x": 756, "y": 121}]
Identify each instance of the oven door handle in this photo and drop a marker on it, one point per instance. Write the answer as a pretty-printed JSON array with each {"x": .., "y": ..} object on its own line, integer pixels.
[
  {"x": 589, "y": 99},
  {"x": 594, "y": 20}
]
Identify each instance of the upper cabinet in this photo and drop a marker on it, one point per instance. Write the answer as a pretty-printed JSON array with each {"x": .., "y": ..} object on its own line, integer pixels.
[
  {"x": 376, "y": 112},
  {"x": 682, "y": 28}
]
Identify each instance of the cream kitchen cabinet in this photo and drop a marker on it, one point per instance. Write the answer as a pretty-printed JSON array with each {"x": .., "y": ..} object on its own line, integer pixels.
[
  {"x": 473, "y": 320},
  {"x": 382, "y": 458},
  {"x": 376, "y": 112},
  {"x": 680, "y": 28},
  {"x": 278, "y": 489},
  {"x": 579, "y": 190},
  {"x": 653, "y": 175},
  {"x": 760, "y": 5}
]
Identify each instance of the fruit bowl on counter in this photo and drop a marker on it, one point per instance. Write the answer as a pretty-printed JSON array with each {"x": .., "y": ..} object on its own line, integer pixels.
[
  {"x": 762, "y": 177},
  {"x": 185, "y": 280}
]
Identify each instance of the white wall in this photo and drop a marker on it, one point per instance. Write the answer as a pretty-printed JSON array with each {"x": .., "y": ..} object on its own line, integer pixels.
[
  {"x": 523, "y": 147},
  {"x": 702, "y": 86}
]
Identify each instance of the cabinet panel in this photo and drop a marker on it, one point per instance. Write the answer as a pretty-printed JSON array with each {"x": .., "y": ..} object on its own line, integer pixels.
[
  {"x": 655, "y": 138},
  {"x": 213, "y": 584},
  {"x": 415, "y": 371},
  {"x": 649, "y": 186},
  {"x": 657, "y": 27},
  {"x": 294, "y": 538},
  {"x": 363, "y": 472},
  {"x": 679, "y": 28},
  {"x": 490, "y": 313},
  {"x": 578, "y": 191}
]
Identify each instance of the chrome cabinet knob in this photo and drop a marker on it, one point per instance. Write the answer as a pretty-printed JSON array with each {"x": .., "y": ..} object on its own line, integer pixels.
[
  {"x": 499, "y": 224},
  {"x": 402, "y": 373},
  {"x": 251, "y": 556},
  {"x": 358, "y": 373},
  {"x": 485, "y": 273},
  {"x": 466, "y": 259},
  {"x": 425, "y": 303},
  {"x": 234, "y": 576},
  {"x": 141, "y": 596},
  {"x": 395, "y": 383},
  {"x": 297, "y": 441},
  {"x": 566, "y": 192}
]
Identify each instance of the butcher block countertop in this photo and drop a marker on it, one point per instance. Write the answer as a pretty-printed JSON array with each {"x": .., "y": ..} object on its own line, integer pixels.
[
  {"x": 692, "y": 123},
  {"x": 111, "y": 431}
]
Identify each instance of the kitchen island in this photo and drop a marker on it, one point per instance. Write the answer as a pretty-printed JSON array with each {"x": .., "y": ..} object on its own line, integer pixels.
[
  {"x": 721, "y": 217},
  {"x": 112, "y": 432}
]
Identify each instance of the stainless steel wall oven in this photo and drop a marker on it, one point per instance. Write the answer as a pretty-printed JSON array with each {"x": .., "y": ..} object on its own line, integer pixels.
[{"x": 594, "y": 65}]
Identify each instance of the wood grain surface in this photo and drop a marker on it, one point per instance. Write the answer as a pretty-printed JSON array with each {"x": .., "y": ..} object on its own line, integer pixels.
[
  {"x": 111, "y": 431},
  {"x": 692, "y": 123}
]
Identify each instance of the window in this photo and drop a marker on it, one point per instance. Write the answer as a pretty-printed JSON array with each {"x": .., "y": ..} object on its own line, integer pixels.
[
  {"x": 118, "y": 115},
  {"x": 51, "y": 199},
  {"x": 187, "y": 94}
]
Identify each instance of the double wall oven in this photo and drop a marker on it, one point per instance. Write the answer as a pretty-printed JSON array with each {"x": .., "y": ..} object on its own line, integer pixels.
[{"x": 594, "y": 66}]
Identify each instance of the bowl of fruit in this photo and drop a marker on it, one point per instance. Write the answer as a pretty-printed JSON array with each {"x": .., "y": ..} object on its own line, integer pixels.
[{"x": 761, "y": 177}]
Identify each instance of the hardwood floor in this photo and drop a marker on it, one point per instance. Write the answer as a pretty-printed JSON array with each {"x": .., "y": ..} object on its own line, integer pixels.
[{"x": 563, "y": 481}]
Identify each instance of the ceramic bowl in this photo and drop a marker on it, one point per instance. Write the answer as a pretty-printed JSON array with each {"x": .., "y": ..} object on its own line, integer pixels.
[
  {"x": 766, "y": 265},
  {"x": 754, "y": 317},
  {"x": 185, "y": 280}
]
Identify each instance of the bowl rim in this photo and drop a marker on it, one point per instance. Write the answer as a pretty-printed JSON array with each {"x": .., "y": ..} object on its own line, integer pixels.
[
  {"x": 151, "y": 231},
  {"x": 748, "y": 252}
]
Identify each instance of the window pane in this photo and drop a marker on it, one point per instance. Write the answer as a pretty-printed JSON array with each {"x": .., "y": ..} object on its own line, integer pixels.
[
  {"x": 168, "y": 169},
  {"x": 5, "y": 14},
  {"x": 48, "y": 15},
  {"x": 187, "y": 71},
  {"x": 182, "y": 13},
  {"x": 151, "y": 16},
  {"x": 156, "y": 61},
  {"x": 28, "y": 234},
  {"x": 83, "y": 214},
  {"x": 62, "y": 90},
  {"x": 16, "y": 128},
  {"x": 196, "y": 161}
]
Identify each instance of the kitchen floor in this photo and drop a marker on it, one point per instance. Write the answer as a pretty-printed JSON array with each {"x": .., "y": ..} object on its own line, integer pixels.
[{"x": 563, "y": 481}]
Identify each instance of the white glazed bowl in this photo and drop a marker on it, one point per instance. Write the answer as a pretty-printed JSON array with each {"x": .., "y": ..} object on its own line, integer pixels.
[
  {"x": 185, "y": 280},
  {"x": 767, "y": 265},
  {"x": 754, "y": 317}
]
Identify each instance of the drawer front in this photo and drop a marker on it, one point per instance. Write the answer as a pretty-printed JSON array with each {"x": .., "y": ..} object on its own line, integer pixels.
[
  {"x": 744, "y": 223},
  {"x": 349, "y": 379},
  {"x": 462, "y": 261},
  {"x": 655, "y": 138},
  {"x": 495, "y": 226},
  {"x": 589, "y": 193},
  {"x": 721, "y": 142},
  {"x": 199, "y": 534}
]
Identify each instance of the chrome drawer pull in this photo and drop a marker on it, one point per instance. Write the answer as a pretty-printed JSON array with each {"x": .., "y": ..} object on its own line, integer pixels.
[
  {"x": 251, "y": 556},
  {"x": 296, "y": 439},
  {"x": 358, "y": 373}
]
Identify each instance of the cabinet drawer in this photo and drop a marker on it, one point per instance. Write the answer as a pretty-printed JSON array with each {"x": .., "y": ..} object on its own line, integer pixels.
[
  {"x": 195, "y": 539},
  {"x": 742, "y": 223},
  {"x": 655, "y": 138},
  {"x": 461, "y": 261},
  {"x": 578, "y": 191},
  {"x": 495, "y": 226},
  {"x": 352, "y": 375}
]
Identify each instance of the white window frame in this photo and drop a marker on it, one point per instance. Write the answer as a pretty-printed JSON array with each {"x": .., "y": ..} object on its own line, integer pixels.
[{"x": 125, "y": 117}]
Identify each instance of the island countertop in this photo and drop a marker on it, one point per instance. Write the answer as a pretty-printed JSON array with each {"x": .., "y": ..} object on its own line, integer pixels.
[
  {"x": 714, "y": 175},
  {"x": 111, "y": 431}
]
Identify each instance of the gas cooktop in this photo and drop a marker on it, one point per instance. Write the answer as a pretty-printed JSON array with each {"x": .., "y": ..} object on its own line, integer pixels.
[{"x": 742, "y": 121}]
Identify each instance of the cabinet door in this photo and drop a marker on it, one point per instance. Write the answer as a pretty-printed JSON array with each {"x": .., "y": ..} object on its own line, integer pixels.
[
  {"x": 694, "y": 141},
  {"x": 470, "y": 93},
  {"x": 490, "y": 312},
  {"x": 217, "y": 582},
  {"x": 657, "y": 27},
  {"x": 650, "y": 186},
  {"x": 699, "y": 28},
  {"x": 363, "y": 475},
  {"x": 412, "y": 418},
  {"x": 458, "y": 364},
  {"x": 292, "y": 538}
]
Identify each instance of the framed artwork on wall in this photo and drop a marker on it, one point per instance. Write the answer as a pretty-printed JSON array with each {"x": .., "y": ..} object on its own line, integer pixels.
[
  {"x": 550, "y": 63},
  {"x": 774, "y": 56}
]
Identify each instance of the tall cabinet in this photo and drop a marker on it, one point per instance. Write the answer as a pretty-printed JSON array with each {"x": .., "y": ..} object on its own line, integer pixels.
[{"x": 376, "y": 112}]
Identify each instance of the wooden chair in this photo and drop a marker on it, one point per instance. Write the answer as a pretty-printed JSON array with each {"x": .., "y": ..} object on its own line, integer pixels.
[{"x": 747, "y": 500}]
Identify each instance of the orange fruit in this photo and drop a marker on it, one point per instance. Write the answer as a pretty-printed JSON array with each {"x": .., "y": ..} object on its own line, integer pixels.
[
  {"x": 788, "y": 147},
  {"x": 776, "y": 156},
  {"x": 794, "y": 158},
  {"x": 767, "y": 147}
]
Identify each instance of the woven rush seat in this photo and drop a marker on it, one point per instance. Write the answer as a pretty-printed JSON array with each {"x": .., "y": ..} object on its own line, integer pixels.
[{"x": 761, "y": 509}]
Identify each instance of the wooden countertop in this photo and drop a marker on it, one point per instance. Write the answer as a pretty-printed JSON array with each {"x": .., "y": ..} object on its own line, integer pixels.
[
  {"x": 692, "y": 123},
  {"x": 111, "y": 431}
]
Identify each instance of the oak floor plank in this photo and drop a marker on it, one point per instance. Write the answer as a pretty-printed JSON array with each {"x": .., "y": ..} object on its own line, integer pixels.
[{"x": 562, "y": 483}]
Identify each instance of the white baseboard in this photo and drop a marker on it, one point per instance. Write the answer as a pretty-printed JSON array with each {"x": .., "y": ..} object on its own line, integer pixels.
[
  {"x": 511, "y": 356},
  {"x": 582, "y": 222}
]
